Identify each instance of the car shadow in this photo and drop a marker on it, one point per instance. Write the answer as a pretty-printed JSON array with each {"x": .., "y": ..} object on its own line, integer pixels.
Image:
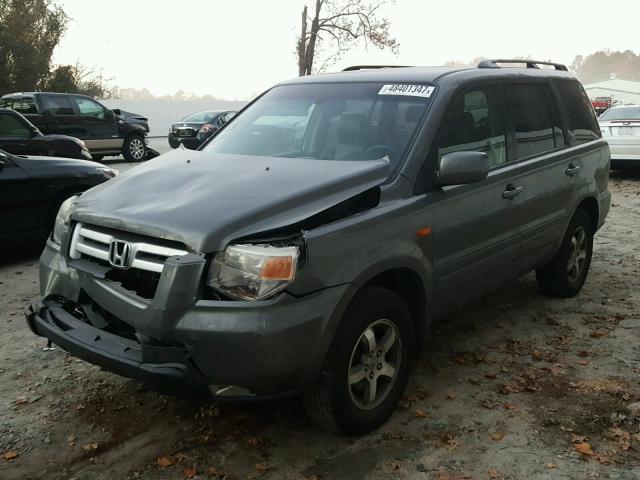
[
  {"x": 628, "y": 173},
  {"x": 21, "y": 254}
]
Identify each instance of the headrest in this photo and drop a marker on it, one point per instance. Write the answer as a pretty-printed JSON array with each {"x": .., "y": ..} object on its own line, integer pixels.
[{"x": 351, "y": 128}]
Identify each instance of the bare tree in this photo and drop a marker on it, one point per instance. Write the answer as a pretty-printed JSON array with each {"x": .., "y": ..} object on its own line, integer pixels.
[{"x": 340, "y": 24}]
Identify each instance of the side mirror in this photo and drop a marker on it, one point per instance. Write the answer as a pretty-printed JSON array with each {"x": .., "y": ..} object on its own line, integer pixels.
[
  {"x": 459, "y": 168},
  {"x": 116, "y": 111}
]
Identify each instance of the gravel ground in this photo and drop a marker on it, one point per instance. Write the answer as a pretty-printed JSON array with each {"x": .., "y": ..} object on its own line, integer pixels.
[{"x": 516, "y": 386}]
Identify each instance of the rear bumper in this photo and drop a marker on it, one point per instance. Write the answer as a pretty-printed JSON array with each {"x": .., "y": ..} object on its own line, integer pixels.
[{"x": 627, "y": 149}]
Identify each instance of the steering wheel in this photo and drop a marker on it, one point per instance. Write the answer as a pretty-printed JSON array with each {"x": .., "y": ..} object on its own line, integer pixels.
[{"x": 381, "y": 150}]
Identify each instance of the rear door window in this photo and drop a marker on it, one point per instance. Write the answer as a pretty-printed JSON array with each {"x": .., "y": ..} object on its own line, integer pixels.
[
  {"x": 531, "y": 120},
  {"x": 475, "y": 122},
  {"x": 59, "y": 105},
  {"x": 582, "y": 125}
]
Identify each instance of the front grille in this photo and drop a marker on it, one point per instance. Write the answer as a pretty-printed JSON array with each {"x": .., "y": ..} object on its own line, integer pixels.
[
  {"x": 97, "y": 244},
  {"x": 138, "y": 270}
]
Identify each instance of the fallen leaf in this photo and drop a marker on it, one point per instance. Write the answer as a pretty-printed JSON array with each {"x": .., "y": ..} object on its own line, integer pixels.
[
  {"x": 583, "y": 353},
  {"x": 583, "y": 448},
  {"x": 165, "y": 462},
  {"x": 509, "y": 406},
  {"x": 451, "y": 396},
  {"x": 599, "y": 332},
  {"x": 459, "y": 360},
  {"x": 189, "y": 472},
  {"x": 20, "y": 401},
  {"x": 494, "y": 475},
  {"x": 395, "y": 466},
  {"x": 10, "y": 455},
  {"x": 537, "y": 355},
  {"x": 263, "y": 467},
  {"x": 496, "y": 437},
  {"x": 490, "y": 376},
  {"x": 253, "y": 441},
  {"x": 420, "y": 414},
  {"x": 214, "y": 472},
  {"x": 90, "y": 446},
  {"x": 583, "y": 362},
  {"x": 551, "y": 466}
]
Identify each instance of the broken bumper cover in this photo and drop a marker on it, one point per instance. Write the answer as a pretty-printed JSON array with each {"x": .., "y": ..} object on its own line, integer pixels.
[
  {"x": 268, "y": 348},
  {"x": 171, "y": 374}
]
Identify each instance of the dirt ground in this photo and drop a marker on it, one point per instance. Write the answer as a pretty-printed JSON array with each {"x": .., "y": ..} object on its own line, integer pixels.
[{"x": 516, "y": 386}]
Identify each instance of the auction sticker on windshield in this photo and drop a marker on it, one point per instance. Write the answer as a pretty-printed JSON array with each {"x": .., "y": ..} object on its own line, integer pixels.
[{"x": 409, "y": 90}]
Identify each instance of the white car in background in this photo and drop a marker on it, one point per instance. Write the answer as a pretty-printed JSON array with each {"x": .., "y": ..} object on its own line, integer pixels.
[{"x": 621, "y": 128}]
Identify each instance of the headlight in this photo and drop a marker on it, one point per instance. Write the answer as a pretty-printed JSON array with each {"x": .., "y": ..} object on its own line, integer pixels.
[
  {"x": 253, "y": 272},
  {"x": 108, "y": 172},
  {"x": 61, "y": 224}
]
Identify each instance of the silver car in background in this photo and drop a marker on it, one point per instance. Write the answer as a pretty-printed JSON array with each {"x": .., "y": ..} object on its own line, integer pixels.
[{"x": 621, "y": 128}]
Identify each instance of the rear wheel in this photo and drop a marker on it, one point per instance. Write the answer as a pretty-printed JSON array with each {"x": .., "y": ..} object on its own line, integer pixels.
[
  {"x": 134, "y": 149},
  {"x": 367, "y": 367},
  {"x": 565, "y": 275}
]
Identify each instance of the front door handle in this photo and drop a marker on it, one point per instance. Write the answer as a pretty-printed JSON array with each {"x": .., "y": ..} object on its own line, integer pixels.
[
  {"x": 512, "y": 191},
  {"x": 572, "y": 169}
]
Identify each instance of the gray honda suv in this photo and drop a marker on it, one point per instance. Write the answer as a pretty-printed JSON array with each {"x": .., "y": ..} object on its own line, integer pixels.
[{"x": 308, "y": 245}]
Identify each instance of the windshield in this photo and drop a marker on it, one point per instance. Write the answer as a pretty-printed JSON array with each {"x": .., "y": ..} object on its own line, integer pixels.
[
  {"x": 354, "y": 121},
  {"x": 623, "y": 113},
  {"x": 201, "y": 117}
]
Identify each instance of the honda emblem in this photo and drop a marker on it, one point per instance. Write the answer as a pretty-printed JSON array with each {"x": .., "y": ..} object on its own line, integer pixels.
[{"x": 120, "y": 254}]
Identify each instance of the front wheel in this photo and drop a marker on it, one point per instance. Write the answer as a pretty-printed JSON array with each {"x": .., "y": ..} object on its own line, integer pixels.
[
  {"x": 565, "y": 275},
  {"x": 367, "y": 367},
  {"x": 134, "y": 149}
]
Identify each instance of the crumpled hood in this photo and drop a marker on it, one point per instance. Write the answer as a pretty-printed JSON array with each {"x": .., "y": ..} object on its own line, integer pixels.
[{"x": 205, "y": 200}]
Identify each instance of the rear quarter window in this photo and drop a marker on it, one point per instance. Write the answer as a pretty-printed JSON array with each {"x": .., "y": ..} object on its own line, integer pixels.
[
  {"x": 25, "y": 105},
  {"x": 582, "y": 124}
]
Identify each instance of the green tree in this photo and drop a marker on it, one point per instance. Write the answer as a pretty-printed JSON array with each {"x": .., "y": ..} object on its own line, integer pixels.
[
  {"x": 77, "y": 79},
  {"x": 339, "y": 24},
  {"x": 605, "y": 64},
  {"x": 29, "y": 32}
]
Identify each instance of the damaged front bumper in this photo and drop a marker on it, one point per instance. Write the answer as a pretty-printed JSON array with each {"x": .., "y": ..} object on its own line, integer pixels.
[{"x": 178, "y": 342}]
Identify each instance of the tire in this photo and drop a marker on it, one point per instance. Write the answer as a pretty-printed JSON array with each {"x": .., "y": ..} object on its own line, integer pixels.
[
  {"x": 97, "y": 158},
  {"x": 566, "y": 273},
  {"x": 345, "y": 407},
  {"x": 134, "y": 149}
]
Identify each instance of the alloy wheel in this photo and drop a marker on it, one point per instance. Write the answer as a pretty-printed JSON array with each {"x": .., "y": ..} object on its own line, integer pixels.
[
  {"x": 374, "y": 364},
  {"x": 577, "y": 253},
  {"x": 136, "y": 148}
]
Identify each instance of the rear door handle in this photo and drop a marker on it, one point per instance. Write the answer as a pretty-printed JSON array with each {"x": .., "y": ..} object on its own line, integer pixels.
[
  {"x": 512, "y": 191},
  {"x": 572, "y": 169}
]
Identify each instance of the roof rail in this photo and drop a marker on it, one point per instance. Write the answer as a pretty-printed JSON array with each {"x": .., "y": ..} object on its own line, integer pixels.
[
  {"x": 371, "y": 67},
  {"x": 493, "y": 63}
]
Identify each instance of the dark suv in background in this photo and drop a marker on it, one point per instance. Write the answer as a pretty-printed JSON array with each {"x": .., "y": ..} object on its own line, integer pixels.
[
  {"x": 104, "y": 132},
  {"x": 308, "y": 245}
]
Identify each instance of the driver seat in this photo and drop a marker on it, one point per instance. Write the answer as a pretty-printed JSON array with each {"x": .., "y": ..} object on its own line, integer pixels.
[{"x": 351, "y": 138}]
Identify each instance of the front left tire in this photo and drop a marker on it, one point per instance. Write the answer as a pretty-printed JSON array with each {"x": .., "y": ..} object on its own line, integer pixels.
[
  {"x": 134, "y": 149},
  {"x": 367, "y": 367}
]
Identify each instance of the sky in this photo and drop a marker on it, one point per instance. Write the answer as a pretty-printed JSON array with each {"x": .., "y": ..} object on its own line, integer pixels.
[{"x": 234, "y": 49}]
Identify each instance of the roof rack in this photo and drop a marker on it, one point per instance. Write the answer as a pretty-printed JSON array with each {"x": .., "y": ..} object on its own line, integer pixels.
[
  {"x": 371, "y": 67},
  {"x": 493, "y": 63}
]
